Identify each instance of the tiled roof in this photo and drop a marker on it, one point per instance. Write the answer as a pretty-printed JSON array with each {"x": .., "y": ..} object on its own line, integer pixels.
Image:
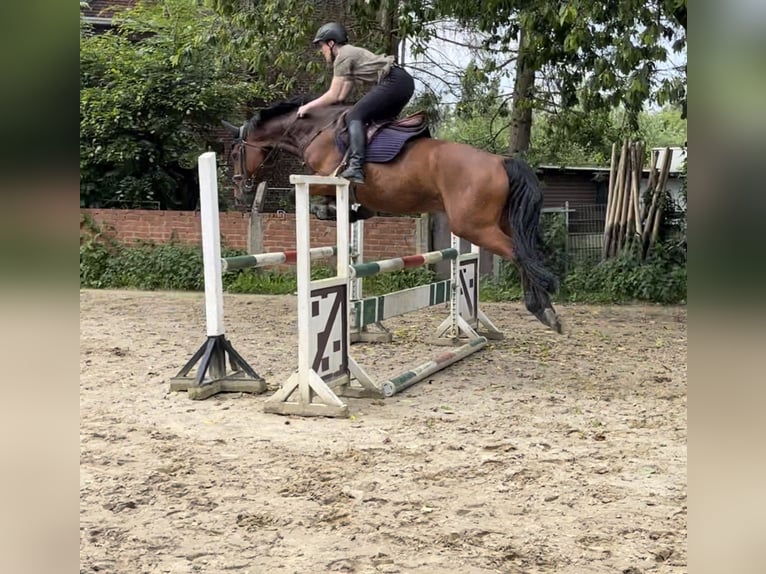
[{"x": 105, "y": 8}]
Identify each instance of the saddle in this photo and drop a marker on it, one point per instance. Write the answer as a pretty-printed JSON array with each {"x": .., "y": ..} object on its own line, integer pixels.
[
  {"x": 385, "y": 139},
  {"x": 413, "y": 124}
]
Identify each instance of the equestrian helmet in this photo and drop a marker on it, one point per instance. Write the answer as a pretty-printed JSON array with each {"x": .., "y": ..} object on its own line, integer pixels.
[{"x": 331, "y": 31}]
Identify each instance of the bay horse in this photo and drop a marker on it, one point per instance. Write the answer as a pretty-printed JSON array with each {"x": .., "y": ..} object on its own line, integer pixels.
[{"x": 490, "y": 200}]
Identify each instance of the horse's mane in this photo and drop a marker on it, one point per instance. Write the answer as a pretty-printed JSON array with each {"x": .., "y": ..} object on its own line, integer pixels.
[{"x": 279, "y": 109}]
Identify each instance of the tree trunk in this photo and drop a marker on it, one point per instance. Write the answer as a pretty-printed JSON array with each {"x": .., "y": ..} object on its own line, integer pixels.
[
  {"x": 388, "y": 22},
  {"x": 523, "y": 92}
]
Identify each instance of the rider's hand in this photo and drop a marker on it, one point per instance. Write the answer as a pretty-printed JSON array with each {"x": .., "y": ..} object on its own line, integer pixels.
[{"x": 302, "y": 112}]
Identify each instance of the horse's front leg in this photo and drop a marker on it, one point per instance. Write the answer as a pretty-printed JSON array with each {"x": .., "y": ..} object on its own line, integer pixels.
[
  {"x": 323, "y": 205},
  {"x": 322, "y": 201}
]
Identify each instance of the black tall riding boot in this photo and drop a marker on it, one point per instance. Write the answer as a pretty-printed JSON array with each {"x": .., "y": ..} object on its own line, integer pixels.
[{"x": 357, "y": 137}]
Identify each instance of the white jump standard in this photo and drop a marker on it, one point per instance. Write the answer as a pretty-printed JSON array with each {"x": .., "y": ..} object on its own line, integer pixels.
[
  {"x": 323, "y": 335},
  {"x": 323, "y": 327},
  {"x": 325, "y": 367},
  {"x": 212, "y": 375}
]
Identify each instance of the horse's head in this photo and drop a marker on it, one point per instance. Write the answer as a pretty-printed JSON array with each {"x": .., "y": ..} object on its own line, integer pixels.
[
  {"x": 248, "y": 154},
  {"x": 276, "y": 126}
]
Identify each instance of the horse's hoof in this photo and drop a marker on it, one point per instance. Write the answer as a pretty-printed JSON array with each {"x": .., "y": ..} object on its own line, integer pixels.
[
  {"x": 552, "y": 320},
  {"x": 360, "y": 213},
  {"x": 323, "y": 212}
]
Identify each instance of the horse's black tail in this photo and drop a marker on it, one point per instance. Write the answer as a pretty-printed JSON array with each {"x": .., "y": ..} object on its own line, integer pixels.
[{"x": 524, "y": 204}]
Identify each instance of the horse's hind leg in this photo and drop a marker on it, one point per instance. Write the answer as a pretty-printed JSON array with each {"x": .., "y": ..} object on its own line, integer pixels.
[
  {"x": 491, "y": 238},
  {"x": 495, "y": 240}
]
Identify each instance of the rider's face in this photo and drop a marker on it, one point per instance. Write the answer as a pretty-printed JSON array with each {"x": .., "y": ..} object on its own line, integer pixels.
[{"x": 326, "y": 52}]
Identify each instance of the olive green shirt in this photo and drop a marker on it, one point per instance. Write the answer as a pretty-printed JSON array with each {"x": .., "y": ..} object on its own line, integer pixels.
[{"x": 361, "y": 65}]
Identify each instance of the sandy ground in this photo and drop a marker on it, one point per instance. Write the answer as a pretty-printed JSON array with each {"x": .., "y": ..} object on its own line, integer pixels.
[{"x": 542, "y": 453}]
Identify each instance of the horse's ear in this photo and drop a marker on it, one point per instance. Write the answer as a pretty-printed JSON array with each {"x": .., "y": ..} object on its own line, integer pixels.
[{"x": 231, "y": 127}]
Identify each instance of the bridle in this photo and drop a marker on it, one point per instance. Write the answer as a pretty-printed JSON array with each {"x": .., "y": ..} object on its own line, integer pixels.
[{"x": 247, "y": 184}]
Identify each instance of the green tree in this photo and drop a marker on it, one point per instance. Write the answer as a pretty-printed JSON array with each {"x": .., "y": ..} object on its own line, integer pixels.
[
  {"x": 569, "y": 53},
  {"x": 570, "y": 137},
  {"x": 154, "y": 89},
  {"x": 573, "y": 137},
  {"x": 375, "y": 24},
  {"x": 272, "y": 37},
  {"x": 666, "y": 127},
  {"x": 479, "y": 118},
  {"x": 479, "y": 93}
]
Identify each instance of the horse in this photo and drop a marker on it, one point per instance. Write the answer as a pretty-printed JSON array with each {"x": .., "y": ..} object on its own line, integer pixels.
[{"x": 490, "y": 200}]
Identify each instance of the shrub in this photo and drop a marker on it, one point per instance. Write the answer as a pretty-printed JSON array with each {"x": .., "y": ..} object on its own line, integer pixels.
[
  {"x": 397, "y": 280},
  {"x": 105, "y": 263},
  {"x": 659, "y": 279}
]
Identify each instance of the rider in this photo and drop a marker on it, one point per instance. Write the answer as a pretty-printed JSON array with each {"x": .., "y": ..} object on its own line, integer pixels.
[{"x": 392, "y": 89}]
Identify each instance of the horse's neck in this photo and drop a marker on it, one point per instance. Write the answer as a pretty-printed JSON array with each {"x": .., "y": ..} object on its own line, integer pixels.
[
  {"x": 288, "y": 135},
  {"x": 295, "y": 137},
  {"x": 321, "y": 154}
]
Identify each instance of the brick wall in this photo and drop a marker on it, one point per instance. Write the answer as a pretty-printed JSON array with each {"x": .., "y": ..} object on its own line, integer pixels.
[
  {"x": 384, "y": 237},
  {"x": 130, "y": 225}
]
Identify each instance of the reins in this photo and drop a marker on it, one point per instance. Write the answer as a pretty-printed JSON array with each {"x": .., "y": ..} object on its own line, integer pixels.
[
  {"x": 248, "y": 185},
  {"x": 273, "y": 149}
]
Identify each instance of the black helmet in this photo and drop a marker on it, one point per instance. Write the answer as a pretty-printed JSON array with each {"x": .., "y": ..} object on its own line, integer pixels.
[{"x": 331, "y": 31}]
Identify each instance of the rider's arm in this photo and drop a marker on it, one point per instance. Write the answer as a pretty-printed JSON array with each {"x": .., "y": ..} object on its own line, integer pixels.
[
  {"x": 339, "y": 89},
  {"x": 347, "y": 84}
]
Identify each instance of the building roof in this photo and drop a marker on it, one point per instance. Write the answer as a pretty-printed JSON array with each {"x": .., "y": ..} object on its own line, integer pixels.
[
  {"x": 100, "y": 12},
  {"x": 676, "y": 164}
]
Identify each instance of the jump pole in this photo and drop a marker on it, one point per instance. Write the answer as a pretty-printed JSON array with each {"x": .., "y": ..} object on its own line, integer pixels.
[
  {"x": 417, "y": 374},
  {"x": 278, "y": 257},
  {"x": 212, "y": 375},
  {"x": 374, "y": 310},
  {"x": 474, "y": 343},
  {"x": 461, "y": 291}
]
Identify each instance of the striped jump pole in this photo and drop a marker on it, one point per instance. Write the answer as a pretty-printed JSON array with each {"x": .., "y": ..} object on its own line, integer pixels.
[
  {"x": 417, "y": 374},
  {"x": 212, "y": 375},
  {"x": 399, "y": 263},
  {"x": 373, "y": 310},
  {"x": 461, "y": 291},
  {"x": 265, "y": 259}
]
